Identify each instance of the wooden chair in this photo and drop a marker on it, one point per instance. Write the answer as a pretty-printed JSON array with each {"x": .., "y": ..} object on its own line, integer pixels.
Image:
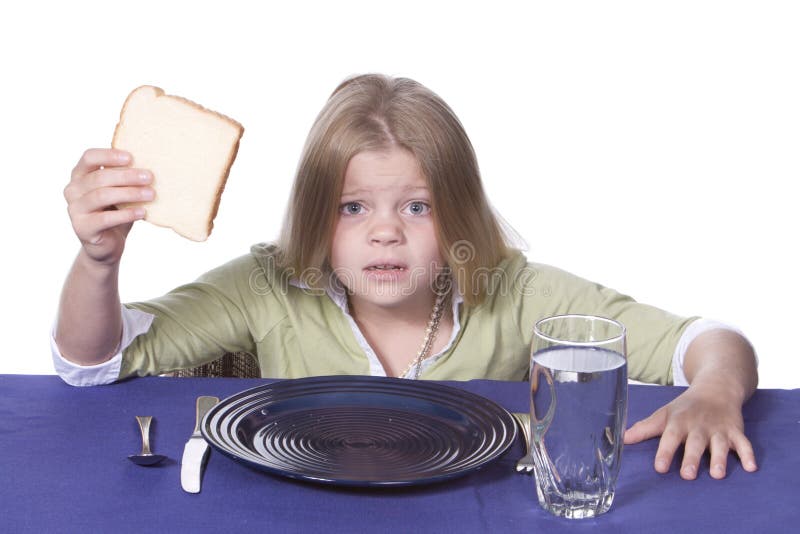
[{"x": 231, "y": 364}]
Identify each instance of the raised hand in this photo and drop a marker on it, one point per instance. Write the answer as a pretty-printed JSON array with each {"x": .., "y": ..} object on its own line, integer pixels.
[{"x": 100, "y": 181}]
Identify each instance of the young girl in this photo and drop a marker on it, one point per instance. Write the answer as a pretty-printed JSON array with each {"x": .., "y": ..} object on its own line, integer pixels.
[{"x": 390, "y": 262}]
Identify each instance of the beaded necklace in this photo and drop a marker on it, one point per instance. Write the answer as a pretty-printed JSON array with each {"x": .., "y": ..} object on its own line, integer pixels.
[{"x": 430, "y": 336}]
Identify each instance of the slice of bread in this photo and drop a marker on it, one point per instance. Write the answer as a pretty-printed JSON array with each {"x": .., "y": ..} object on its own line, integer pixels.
[{"x": 189, "y": 150}]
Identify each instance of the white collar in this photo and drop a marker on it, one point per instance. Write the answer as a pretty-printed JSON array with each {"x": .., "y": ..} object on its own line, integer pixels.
[{"x": 339, "y": 297}]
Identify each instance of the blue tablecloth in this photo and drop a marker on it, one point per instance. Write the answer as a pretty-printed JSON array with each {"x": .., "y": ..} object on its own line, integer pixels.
[{"x": 63, "y": 468}]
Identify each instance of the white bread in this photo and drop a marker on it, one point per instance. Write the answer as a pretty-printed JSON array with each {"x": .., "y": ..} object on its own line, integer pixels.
[{"x": 189, "y": 150}]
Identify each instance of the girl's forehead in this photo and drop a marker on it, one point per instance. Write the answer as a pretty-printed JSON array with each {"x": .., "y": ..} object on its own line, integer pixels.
[{"x": 393, "y": 169}]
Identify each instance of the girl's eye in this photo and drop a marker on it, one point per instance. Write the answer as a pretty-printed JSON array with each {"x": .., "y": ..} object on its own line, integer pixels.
[
  {"x": 419, "y": 208},
  {"x": 351, "y": 208}
]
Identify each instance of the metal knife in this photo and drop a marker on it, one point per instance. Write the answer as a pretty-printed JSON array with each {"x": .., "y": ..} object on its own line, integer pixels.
[{"x": 196, "y": 450}]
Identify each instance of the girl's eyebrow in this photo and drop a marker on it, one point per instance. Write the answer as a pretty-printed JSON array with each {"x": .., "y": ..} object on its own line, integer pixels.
[{"x": 361, "y": 190}]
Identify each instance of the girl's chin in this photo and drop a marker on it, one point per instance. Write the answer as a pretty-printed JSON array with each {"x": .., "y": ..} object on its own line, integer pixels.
[{"x": 390, "y": 289}]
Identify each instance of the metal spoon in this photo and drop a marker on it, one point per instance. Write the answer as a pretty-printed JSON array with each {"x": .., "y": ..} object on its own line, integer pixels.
[{"x": 145, "y": 457}]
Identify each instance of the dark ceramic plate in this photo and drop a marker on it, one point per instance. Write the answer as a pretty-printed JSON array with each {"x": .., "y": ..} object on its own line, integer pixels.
[{"x": 360, "y": 430}]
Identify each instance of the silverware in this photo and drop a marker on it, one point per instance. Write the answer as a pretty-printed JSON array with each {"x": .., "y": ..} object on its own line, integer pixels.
[
  {"x": 145, "y": 457},
  {"x": 525, "y": 464},
  {"x": 195, "y": 452}
]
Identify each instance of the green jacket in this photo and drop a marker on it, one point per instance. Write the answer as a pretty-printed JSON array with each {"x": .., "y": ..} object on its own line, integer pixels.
[{"x": 249, "y": 305}]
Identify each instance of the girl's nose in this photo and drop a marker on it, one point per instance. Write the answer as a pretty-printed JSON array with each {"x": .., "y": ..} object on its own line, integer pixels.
[{"x": 385, "y": 231}]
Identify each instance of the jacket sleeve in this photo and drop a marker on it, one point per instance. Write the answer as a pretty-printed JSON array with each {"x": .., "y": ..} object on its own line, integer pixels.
[
  {"x": 225, "y": 310},
  {"x": 541, "y": 291}
]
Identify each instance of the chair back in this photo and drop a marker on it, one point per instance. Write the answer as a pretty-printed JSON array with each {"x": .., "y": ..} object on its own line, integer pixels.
[{"x": 231, "y": 364}]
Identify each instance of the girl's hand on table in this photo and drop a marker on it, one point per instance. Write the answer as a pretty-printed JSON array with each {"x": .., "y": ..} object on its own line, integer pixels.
[{"x": 704, "y": 417}]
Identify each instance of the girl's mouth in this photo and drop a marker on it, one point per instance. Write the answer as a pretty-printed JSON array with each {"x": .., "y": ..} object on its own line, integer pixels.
[
  {"x": 386, "y": 272},
  {"x": 385, "y": 268}
]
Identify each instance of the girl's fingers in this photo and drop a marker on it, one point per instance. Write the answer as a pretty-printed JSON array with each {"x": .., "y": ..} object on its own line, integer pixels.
[
  {"x": 108, "y": 197},
  {"x": 647, "y": 428},
  {"x": 114, "y": 177},
  {"x": 91, "y": 227},
  {"x": 117, "y": 177},
  {"x": 696, "y": 444},
  {"x": 719, "y": 448},
  {"x": 670, "y": 441},
  {"x": 744, "y": 449},
  {"x": 94, "y": 158}
]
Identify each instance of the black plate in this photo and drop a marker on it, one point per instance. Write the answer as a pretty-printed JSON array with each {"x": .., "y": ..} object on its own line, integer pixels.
[{"x": 360, "y": 430}]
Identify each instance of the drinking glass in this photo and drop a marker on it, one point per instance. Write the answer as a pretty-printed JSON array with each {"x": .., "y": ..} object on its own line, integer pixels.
[{"x": 579, "y": 401}]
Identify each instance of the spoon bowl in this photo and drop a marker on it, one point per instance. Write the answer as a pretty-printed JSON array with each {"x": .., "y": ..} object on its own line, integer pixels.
[{"x": 145, "y": 457}]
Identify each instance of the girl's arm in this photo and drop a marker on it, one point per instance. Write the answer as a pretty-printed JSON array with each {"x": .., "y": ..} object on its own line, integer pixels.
[
  {"x": 720, "y": 366},
  {"x": 89, "y": 317}
]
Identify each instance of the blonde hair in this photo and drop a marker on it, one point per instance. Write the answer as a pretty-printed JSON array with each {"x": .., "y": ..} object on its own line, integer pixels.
[{"x": 374, "y": 112}]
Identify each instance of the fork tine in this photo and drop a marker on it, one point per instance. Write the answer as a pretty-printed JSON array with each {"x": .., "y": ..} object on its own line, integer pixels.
[{"x": 525, "y": 464}]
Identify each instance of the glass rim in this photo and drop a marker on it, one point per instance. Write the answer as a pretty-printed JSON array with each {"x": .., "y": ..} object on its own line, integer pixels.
[{"x": 623, "y": 331}]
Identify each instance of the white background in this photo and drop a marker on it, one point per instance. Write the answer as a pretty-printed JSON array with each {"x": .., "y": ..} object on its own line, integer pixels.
[{"x": 649, "y": 146}]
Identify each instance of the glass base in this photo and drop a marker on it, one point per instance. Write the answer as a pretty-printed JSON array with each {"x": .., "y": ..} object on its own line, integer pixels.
[{"x": 576, "y": 505}]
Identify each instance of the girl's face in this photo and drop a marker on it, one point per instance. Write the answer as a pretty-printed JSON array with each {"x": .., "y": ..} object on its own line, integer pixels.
[{"x": 384, "y": 245}]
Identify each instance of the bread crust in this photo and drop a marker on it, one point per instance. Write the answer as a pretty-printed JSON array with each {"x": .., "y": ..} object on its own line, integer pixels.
[
  {"x": 160, "y": 93},
  {"x": 228, "y": 165}
]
